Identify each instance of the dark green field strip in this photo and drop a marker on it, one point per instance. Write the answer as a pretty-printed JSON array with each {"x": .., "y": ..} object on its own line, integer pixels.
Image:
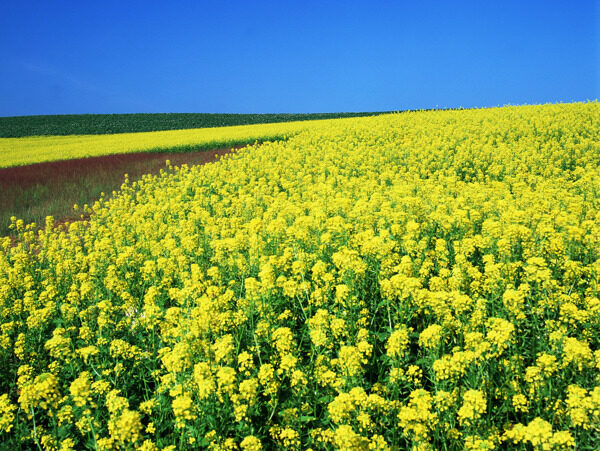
[{"x": 100, "y": 124}]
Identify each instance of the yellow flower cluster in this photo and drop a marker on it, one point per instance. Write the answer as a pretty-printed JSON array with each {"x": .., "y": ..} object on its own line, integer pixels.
[
  {"x": 539, "y": 434},
  {"x": 423, "y": 281}
]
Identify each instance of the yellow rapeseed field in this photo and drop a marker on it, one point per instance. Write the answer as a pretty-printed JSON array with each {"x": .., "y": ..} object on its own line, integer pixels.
[
  {"x": 414, "y": 281},
  {"x": 38, "y": 149}
]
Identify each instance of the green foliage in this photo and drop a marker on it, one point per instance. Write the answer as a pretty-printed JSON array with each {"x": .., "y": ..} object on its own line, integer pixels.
[{"x": 104, "y": 124}]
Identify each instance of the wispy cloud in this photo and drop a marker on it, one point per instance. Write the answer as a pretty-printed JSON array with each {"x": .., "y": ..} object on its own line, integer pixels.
[
  {"x": 120, "y": 101},
  {"x": 60, "y": 75}
]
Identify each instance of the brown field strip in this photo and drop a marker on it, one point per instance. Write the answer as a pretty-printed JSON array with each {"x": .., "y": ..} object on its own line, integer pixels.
[{"x": 35, "y": 191}]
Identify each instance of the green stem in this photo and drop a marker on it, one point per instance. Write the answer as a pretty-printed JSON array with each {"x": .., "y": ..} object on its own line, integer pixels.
[
  {"x": 93, "y": 432},
  {"x": 35, "y": 431}
]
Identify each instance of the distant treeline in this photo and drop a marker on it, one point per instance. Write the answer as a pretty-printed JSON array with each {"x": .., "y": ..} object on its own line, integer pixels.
[{"x": 100, "y": 124}]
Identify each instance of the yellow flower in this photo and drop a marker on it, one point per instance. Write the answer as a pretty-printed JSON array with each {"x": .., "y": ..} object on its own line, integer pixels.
[
  {"x": 116, "y": 403},
  {"x": 245, "y": 362},
  {"x": 59, "y": 346},
  {"x": 500, "y": 334},
  {"x": 289, "y": 438},
  {"x": 473, "y": 407},
  {"x": 417, "y": 418},
  {"x": 431, "y": 337},
  {"x": 578, "y": 353},
  {"x": 126, "y": 427},
  {"x": 226, "y": 379},
  {"x": 398, "y": 342},
  {"x": 283, "y": 340},
  {"x": 520, "y": 403},
  {"x": 67, "y": 445},
  {"x": 81, "y": 389},
  {"x": 183, "y": 408},
  {"x": 87, "y": 352},
  {"x": 148, "y": 446},
  {"x": 223, "y": 348},
  {"x": 43, "y": 392},
  {"x": 6, "y": 410},
  {"x": 251, "y": 443},
  {"x": 345, "y": 438},
  {"x": 147, "y": 406},
  {"x": 204, "y": 380},
  {"x": 350, "y": 360},
  {"x": 539, "y": 433},
  {"x": 248, "y": 390}
]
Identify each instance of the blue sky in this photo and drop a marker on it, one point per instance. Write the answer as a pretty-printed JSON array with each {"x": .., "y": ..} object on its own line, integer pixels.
[{"x": 285, "y": 56}]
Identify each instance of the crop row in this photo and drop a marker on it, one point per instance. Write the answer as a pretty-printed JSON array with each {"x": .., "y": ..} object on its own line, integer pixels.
[
  {"x": 103, "y": 124},
  {"x": 38, "y": 149}
]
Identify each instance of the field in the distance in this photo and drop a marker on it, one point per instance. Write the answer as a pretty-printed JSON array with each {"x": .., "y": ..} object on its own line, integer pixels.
[
  {"x": 39, "y": 149},
  {"x": 425, "y": 281},
  {"x": 46, "y": 175},
  {"x": 102, "y": 124}
]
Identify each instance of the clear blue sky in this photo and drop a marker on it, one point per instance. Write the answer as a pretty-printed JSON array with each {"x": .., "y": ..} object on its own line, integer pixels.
[{"x": 252, "y": 56}]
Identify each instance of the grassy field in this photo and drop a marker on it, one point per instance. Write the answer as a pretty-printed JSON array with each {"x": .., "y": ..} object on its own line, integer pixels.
[
  {"x": 38, "y": 149},
  {"x": 103, "y": 124},
  {"x": 426, "y": 281}
]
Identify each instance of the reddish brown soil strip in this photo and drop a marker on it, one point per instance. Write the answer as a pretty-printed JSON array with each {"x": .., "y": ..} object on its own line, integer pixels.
[
  {"x": 73, "y": 169},
  {"x": 35, "y": 191}
]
